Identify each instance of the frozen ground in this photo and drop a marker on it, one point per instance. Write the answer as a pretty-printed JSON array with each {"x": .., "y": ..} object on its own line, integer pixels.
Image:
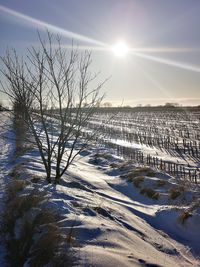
[
  {"x": 112, "y": 223},
  {"x": 159, "y": 153},
  {"x": 121, "y": 223},
  {"x": 6, "y": 150}
]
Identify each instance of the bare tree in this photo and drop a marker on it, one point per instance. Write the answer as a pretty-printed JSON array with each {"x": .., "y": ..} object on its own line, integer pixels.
[
  {"x": 54, "y": 90},
  {"x": 14, "y": 84}
]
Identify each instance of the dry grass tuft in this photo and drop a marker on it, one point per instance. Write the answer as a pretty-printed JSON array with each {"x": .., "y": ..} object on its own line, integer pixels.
[
  {"x": 150, "y": 193},
  {"x": 138, "y": 180},
  {"x": 36, "y": 179},
  {"x": 33, "y": 231},
  {"x": 184, "y": 216},
  {"x": 21, "y": 150},
  {"x": 144, "y": 171},
  {"x": 161, "y": 182},
  {"x": 14, "y": 187},
  {"x": 175, "y": 192},
  {"x": 102, "y": 155},
  {"x": 45, "y": 247},
  {"x": 21, "y": 130},
  {"x": 39, "y": 239},
  {"x": 32, "y": 234},
  {"x": 17, "y": 206},
  {"x": 114, "y": 165},
  {"x": 16, "y": 171},
  {"x": 46, "y": 216}
]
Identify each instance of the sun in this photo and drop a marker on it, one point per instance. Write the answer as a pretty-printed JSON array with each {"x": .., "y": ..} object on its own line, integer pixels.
[{"x": 120, "y": 49}]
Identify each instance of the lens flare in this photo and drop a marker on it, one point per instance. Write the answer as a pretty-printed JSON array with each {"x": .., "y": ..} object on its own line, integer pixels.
[
  {"x": 44, "y": 25},
  {"x": 168, "y": 62},
  {"x": 120, "y": 49}
]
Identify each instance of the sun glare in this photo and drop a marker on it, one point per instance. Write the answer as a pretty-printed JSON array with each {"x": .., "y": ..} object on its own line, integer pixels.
[{"x": 120, "y": 49}]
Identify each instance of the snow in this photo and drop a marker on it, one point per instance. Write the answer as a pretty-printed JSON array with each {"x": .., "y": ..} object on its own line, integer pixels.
[
  {"x": 112, "y": 223},
  {"x": 155, "y": 152},
  {"x": 6, "y": 151}
]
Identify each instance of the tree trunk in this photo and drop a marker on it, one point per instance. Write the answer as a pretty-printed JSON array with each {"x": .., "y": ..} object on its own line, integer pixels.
[
  {"x": 57, "y": 178},
  {"x": 48, "y": 178}
]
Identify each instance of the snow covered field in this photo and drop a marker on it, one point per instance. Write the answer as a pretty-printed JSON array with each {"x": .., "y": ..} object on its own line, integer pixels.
[
  {"x": 112, "y": 223},
  {"x": 165, "y": 139}
]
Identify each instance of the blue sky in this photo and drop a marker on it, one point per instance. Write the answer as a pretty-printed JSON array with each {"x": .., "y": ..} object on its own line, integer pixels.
[{"x": 166, "y": 32}]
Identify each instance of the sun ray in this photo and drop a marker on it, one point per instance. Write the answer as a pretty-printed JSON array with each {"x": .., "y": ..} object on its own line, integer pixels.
[
  {"x": 164, "y": 49},
  {"x": 44, "y": 25},
  {"x": 101, "y": 46},
  {"x": 168, "y": 62},
  {"x": 160, "y": 87},
  {"x": 86, "y": 47},
  {"x": 155, "y": 83}
]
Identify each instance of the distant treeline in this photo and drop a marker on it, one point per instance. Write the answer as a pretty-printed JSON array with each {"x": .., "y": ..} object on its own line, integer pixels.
[
  {"x": 150, "y": 108},
  {"x": 139, "y": 109}
]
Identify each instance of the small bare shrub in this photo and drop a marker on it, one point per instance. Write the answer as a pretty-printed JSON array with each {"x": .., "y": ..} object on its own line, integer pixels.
[{"x": 54, "y": 83}]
